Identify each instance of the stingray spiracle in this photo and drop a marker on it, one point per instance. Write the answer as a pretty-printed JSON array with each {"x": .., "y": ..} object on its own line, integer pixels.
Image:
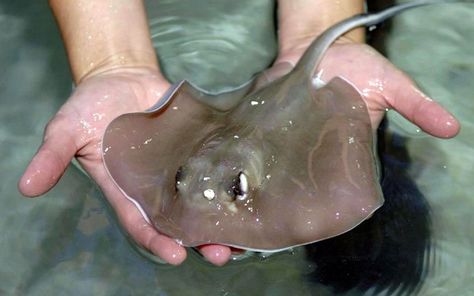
[{"x": 241, "y": 187}]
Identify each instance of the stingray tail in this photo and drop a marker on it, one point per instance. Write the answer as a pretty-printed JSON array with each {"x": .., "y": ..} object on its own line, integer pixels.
[{"x": 313, "y": 56}]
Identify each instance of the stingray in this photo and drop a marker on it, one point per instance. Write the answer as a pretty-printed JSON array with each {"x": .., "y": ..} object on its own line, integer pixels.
[{"x": 274, "y": 164}]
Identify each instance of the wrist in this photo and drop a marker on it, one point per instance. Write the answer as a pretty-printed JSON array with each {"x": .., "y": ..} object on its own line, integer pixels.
[
  {"x": 145, "y": 84},
  {"x": 120, "y": 62},
  {"x": 104, "y": 35},
  {"x": 302, "y": 21},
  {"x": 293, "y": 54}
]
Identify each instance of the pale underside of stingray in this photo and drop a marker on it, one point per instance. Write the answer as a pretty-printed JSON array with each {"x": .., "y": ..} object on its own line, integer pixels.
[{"x": 269, "y": 166}]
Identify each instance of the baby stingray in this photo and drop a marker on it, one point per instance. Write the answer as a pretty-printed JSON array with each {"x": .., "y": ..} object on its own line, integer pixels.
[{"x": 269, "y": 166}]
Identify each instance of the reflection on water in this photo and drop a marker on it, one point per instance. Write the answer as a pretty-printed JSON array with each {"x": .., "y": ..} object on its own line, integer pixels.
[{"x": 67, "y": 242}]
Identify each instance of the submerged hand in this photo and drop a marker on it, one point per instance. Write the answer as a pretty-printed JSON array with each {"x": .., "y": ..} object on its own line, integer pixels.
[
  {"x": 77, "y": 130},
  {"x": 382, "y": 86}
]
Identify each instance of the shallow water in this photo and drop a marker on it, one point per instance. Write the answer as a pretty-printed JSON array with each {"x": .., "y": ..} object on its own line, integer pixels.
[
  {"x": 67, "y": 241},
  {"x": 440, "y": 58}
]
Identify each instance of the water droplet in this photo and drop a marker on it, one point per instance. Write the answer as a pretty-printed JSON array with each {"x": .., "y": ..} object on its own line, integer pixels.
[{"x": 98, "y": 116}]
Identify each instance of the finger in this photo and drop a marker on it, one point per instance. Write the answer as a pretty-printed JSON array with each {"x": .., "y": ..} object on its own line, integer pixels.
[
  {"x": 145, "y": 235},
  {"x": 50, "y": 162},
  {"x": 407, "y": 99},
  {"x": 160, "y": 245},
  {"x": 216, "y": 254},
  {"x": 140, "y": 230}
]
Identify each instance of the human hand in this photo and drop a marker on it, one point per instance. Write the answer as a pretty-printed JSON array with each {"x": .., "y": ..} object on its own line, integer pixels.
[
  {"x": 381, "y": 85},
  {"x": 77, "y": 130}
]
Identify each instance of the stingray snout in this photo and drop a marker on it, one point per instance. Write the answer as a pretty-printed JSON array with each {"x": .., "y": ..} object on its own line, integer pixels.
[
  {"x": 220, "y": 184},
  {"x": 223, "y": 171},
  {"x": 238, "y": 191}
]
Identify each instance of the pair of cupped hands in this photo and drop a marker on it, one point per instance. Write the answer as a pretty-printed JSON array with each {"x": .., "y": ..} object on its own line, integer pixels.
[{"x": 77, "y": 128}]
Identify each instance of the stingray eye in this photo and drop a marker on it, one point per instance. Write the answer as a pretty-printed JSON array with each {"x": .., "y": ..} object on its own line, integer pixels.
[
  {"x": 240, "y": 188},
  {"x": 178, "y": 177}
]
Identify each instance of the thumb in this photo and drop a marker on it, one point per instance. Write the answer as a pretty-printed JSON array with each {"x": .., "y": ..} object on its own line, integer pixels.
[
  {"x": 407, "y": 99},
  {"x": 51, "y": 160}
]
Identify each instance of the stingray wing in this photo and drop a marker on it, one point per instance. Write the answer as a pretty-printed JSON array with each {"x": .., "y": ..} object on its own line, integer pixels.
[
  {"x": 326, "y": 181},
  {"x": 143, "y": 151}
]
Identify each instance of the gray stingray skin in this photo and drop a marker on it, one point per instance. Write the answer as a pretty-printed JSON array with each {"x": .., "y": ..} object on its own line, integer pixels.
[{"x": 307, "y": 156}]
